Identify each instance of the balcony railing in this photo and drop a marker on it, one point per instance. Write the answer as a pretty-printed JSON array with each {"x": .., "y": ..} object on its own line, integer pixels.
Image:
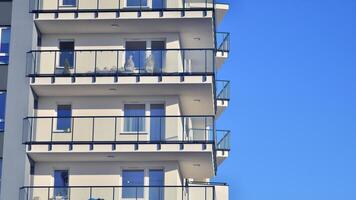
[
  {"x": 223, "y": 140},
  {"x": 106, "y": 62},
  {"x": 119, "y": 130},
  {"x": 86, "y": 6},
  {"x": 206, "y": 192},
  {"x": 223, "y": 90},
  {"x": 223, "y": 41}
]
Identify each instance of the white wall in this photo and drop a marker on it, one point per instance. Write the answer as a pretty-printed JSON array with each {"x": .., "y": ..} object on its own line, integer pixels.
[{"x": 101, "y": 174}]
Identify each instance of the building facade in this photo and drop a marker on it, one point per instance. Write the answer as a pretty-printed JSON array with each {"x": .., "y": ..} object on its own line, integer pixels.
[{"x": 113, "y": 99}]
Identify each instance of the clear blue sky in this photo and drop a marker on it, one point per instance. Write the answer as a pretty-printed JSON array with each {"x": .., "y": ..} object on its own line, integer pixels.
[{"x": 293, "y": 108}]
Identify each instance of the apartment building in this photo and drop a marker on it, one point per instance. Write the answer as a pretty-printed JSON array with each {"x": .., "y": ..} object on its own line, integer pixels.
[{"x": 115, "y": 99}]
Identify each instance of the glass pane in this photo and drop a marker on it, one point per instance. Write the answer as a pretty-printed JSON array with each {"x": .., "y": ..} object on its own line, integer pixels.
[
  {"x": 156, "y": 4},
  {"x": 156, "y": 184},
  {"x": 66, "y": 59},
  {"x": 61, "y": 183},
  {"x": 157, "y": 54},
  {"x": 64, "y": 114},
  {"x": 2, "y": 110},
  {"x": 5, "y": 40},
  {"x": 136, "y": 3},
  {"x": 131, "y": 123},
  {"x": 66, "y": 55},
  {"x": 4, "y": 59},
  {"x": 69, "y": 3},
  {"x": 135, "y": 55},
  {"x": 132, "y": 178},
  {"x": 157, "y": 125}
]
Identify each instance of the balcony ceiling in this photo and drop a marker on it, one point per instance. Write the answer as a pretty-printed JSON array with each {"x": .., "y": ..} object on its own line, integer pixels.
[
  {"x": 198, "y": 165},
  {"x": 193, "y": 32},
  {"x": 195, "y": 99}
]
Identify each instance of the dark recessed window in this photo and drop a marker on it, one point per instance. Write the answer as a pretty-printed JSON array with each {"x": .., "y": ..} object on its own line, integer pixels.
[
  {"x": 4, "y": 45},
  {"x": 61, "y": 183},
  {"x": 66, "y": 57},
  {"x": 64, "y": 120},
  {"x": 69, "y": 2},
  {"x": 136, "y": 3}
]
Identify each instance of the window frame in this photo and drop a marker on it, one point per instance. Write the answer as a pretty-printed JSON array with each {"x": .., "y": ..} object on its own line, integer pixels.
[
  {"x": 54, "y": 179},
  {"x": 148, "y": 4},
  {"x": 5, "y": 54},
  {"x": 147, "y": 52},
  {"x": 58, "y": 61},
  {"x": 69, "y": 130},
  {"x": 133, "y": 186},
  {"x": 144, "y": 131},
  {"x": 68, "y": 6}
]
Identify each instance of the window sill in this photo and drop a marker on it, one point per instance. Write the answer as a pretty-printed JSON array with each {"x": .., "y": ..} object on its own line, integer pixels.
[{"x": 62, "y": 131}]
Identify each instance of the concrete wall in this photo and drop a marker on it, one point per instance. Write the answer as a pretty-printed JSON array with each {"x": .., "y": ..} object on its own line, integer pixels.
[
  {"x": 5, "y": 12},
  {"x": 3, "y": 77}
]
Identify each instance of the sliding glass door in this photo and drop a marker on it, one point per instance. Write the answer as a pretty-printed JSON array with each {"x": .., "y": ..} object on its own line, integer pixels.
[{"x": 157, "y": 125}]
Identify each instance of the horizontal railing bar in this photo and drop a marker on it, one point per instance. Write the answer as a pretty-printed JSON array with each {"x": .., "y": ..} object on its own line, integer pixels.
[
  {"x": 209, "y": 183},
  {"x": 90, "y": 117},
  {"x": 75, "y": 10},
  {"x": 223, "y": 131},
  {"x": 123, "y": 74},
  {"x": 208, "y": 141},
  {"x": 125, "y": 50},
  {"x": 166, "y": 186}
]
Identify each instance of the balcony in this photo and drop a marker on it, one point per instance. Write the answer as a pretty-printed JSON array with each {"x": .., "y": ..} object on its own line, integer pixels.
[
  {"x": 178, "y": 72},
  {"x": 222, "y": 49},
  {"x": 223, "y": 145},
  {"x": 118, "y": 130},
  {"x": 95, "y": 63},
  {"x": 125, "y": 138},
  {"x": 207, "y": 192},
  {"x": 131, "y": 9},
  {"x": 222, "y": 96}
]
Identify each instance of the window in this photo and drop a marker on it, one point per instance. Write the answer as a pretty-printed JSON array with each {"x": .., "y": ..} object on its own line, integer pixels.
[
  {"x": 71, "y": 3},
  {"x": 64, "y": 120},
  {"x": 2, "y": 110},
  {"x": 134, "y": 118},
  {"x": 61, "y": 183},
  {"x": 66, "y": 54},
  {"x": 130, "y": 179},
  {"x": 157, "y": 122},
  {"x": 158, "y": 52},
  {"x": 156, "y": 191},
  {"x": 136, "y": 3},
  {"x": 4, "y": 45},
  {"x": 135, "y": 55}
]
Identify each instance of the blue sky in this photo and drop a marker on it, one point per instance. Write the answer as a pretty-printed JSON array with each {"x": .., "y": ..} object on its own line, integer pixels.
[{"x": 293, "y": 108}]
